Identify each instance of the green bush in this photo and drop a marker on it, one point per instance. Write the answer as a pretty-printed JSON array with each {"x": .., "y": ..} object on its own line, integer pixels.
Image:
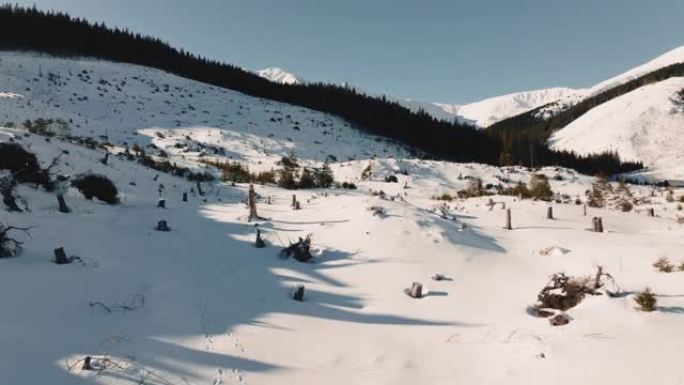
[{"x": 646, "y": 300}]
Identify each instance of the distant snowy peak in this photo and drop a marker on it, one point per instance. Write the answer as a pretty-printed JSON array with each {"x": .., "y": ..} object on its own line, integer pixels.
[
  {"x": 278, "y": 75},
  {"x": 489, "y": 111}
]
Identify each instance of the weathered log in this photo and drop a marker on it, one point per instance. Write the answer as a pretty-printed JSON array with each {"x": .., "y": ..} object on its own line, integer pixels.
[
  {"x": 61, "y": 257},
  {"x": 298, "y": 294}
]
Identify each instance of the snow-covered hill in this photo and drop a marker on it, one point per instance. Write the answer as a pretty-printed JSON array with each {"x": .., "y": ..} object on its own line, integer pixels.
[
  {"x": 279, "y": 75},
  {"x": 127, "y": 104},
  {"x": 201, "y": 305},
  {"x": 642, "y": 125}
]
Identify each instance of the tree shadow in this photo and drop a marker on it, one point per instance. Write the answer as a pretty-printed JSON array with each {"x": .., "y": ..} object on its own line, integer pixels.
[
  {"x": 201, "y": 292},
  {"x": 671, "y": 309}
]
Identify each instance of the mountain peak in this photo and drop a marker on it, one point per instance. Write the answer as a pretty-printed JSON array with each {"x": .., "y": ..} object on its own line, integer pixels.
[{"x": 279, "y": 75}]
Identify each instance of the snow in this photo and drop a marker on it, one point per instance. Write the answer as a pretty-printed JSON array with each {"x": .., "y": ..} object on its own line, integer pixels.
[
  {"x": 489, "y": 111},
  {"x": 217, "y": 310},
  {"x": 279, "y": 75},
  {"x": 642, "y": 125}
]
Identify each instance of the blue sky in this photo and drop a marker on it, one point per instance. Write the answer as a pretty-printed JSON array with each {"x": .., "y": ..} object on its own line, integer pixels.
[{"x": 450, "y": 51}]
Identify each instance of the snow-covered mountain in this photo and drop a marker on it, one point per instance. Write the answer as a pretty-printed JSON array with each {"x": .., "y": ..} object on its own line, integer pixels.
[
  {"x": 643, "y": 125},
  {"x": 279, "y": 75}
]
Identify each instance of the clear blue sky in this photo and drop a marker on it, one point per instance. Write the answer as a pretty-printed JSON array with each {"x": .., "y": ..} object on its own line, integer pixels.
[{"x": 451, "y": 51}]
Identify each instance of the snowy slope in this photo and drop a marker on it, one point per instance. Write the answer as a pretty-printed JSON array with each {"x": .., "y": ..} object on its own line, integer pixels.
[
  {"x": 216, "y": 310},
  {"x": 279, "y": 75},
  {"x": 129, "y": 104},
  {"x": 200, "y": 305},
  {"x": 489, "y": 111},
  {"x": 642, "y": 125}
]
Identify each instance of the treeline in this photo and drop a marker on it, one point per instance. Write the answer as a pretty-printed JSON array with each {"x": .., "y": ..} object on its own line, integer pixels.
[{"x": 59, "y": 34}]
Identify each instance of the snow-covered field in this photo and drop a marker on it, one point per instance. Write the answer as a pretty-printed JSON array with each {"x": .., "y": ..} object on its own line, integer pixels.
[{"x": 201, "y": 305}]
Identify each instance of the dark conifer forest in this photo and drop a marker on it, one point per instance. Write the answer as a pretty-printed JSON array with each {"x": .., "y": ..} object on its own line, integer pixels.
[{"x": 520, "y": 140}]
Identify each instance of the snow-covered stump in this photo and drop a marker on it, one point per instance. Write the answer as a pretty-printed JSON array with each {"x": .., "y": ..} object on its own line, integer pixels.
[
  {"x": 162, "y": 226},
  {"x": 508, "y": 220},
  {"x": 597, "y": 224},
  {"x": 161, "y": 204},
  {"x": 61, "y": 257},
  {"x": 416, "y": 290},
  {"x": 185, "y": 197},
  {"x": 259, "y": 243},
  {"x": 251, "y": 202},
  {"x": 298, "y": 294},
  {"x": 549, "y": 212},
  {"x": 105, "y": 159},
  {"x": 651, "y": 212}
]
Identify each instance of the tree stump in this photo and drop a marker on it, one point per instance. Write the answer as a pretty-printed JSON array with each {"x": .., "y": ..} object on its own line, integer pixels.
[
  {"x": 597, "y": 223},
  {"x": 298, "y": 293},
  {"x": 549, "y": 212},
  {"x": 559, "y": 320},
  {"x": 251, "y": 202},
  {"x": 63, "y": 208},
  {"x": 416, "y": 290},
  {"x": 185, "y": 197},
  {"x": 86, "y": 363},
  {"x": 161, "y": 204},
  {"x": 259, "y": 243},
  {"x": 162, "y": 226},
  {"x": 508, "y": 220},
  {"x": 61, "y": 257}
]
